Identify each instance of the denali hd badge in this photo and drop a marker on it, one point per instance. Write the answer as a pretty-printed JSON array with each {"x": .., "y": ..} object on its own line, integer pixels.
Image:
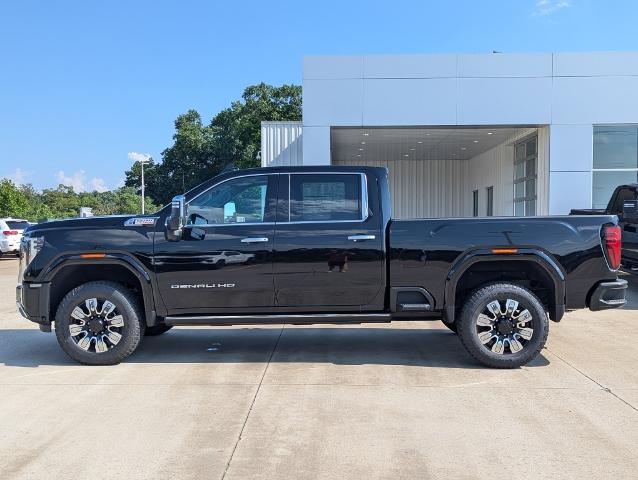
[
  {"x": 205, "y": 285},
  {"x": 141, "y": 222}
]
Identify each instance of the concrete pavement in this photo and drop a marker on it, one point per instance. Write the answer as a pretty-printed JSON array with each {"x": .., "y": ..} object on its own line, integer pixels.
[{"x": 373, "y": 401}]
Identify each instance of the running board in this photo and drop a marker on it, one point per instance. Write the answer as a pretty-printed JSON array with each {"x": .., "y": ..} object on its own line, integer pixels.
[
  {"x": 414, "y": 307},
  {"x": 298, "y": 319}
]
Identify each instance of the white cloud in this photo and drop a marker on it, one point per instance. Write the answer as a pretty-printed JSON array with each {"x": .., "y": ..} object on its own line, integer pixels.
[
  {"x": 544, "y": 8},
  {"x": 138, "y": 157},
  {"x": 99, "y": 185},
  {"x": 77, "y": 180},
  {"x": 79, "y": 183},
  {"x": 18, "y": 177}
]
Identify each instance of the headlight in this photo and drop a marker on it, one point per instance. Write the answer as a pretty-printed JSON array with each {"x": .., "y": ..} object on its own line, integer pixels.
[{"x": 29, "y": 248}]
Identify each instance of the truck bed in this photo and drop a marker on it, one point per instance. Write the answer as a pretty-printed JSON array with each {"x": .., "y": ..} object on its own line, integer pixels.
[{"x": 424, "y": 251}]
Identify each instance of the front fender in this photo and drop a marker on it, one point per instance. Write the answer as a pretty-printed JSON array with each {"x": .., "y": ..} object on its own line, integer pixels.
[{"x": 109, "y": 258}]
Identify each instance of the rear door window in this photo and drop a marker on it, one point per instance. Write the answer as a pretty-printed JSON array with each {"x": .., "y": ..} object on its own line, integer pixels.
[{"x": 320, "y": 197}]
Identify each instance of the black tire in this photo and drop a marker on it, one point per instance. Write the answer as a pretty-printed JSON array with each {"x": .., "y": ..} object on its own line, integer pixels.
[
  {"x": 126, "y": 305},
  {"x": 477, "y": 303},
  {"x": 451, "y": 326},
  {"x": 156, "y": 330}
]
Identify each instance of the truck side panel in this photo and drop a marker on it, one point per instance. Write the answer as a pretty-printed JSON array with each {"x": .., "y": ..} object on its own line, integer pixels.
[{"x": 423, "y": 251}]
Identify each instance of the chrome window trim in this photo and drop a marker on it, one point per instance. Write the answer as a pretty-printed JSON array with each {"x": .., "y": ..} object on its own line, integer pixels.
[
  {"x": 365, "y": 210},
  {"x": 229, "y": 224},
  {"x": 221, "y": 183}
]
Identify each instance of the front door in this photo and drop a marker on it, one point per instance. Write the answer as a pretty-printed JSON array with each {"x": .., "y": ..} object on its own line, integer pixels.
[
  {"x": 224, "y": 259},
  {"x": 328, "y": 248}
]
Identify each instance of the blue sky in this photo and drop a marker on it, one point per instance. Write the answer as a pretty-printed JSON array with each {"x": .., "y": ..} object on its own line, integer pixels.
[{"x": 83, "y": 84}]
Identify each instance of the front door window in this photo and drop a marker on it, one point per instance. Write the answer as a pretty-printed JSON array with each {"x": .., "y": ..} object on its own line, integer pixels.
[{"x": 241, "y": 200}]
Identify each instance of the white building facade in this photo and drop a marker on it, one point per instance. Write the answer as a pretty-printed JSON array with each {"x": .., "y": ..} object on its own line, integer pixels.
[{"x": 463, "y": 135}]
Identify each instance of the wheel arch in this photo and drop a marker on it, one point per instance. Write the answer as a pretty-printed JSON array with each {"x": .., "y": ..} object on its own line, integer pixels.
[
  {"x": 534, "y": 264},
  {"x": 70, "y": 271}
]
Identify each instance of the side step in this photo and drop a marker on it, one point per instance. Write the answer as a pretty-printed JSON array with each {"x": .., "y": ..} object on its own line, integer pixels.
[
  {"x": 414, "y": 307},
  {"x": 296, "y": 319}
]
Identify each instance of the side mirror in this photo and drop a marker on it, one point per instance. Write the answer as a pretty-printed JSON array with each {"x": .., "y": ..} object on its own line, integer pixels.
[
  {"x": 176, "y": 220},
  {"x": 630, "y": 210}
]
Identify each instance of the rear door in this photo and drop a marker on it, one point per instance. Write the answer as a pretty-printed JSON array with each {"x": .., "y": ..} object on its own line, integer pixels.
[{"x": 328, "y": 251}]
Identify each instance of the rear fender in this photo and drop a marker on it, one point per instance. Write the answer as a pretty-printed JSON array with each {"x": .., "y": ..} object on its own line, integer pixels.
[{"x": 540, "y": 258}]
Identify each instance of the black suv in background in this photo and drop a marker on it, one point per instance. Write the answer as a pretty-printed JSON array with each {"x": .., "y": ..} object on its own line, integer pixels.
[{"x": 624, "y": 204}]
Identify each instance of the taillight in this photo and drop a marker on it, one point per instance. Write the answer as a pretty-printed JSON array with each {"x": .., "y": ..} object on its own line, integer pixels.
[
  {"x": 613, "y": 246},
  {"x": 10, "y": 232}
]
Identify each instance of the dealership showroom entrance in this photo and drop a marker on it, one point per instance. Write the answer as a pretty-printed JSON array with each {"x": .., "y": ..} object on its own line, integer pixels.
[{"x": 453, "y": 172}]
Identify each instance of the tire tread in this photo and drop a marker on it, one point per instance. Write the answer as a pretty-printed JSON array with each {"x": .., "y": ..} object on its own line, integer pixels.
[
  {"x": 135, "y": 334},
  {"x": 477, "y": 297}
]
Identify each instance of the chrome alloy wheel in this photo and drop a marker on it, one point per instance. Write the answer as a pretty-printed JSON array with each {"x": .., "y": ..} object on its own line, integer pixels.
[
  {"x": 503, "y": 327},
  {"x": 96, "y": 326}
]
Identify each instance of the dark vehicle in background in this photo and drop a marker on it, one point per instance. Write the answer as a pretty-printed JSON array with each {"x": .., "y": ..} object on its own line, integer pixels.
[
  {"x": 624, "y": 204},
  {"x": 314, "y": 245}
]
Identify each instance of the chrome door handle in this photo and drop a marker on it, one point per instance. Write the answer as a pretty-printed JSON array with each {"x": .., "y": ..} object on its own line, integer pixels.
[
  {"x": 361, "y": 238},
  {"x": 254, "y": 240}
]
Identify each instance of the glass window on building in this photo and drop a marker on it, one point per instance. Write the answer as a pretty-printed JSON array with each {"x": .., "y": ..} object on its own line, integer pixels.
[
  {"x": 490, "y": 201},
  {"x": 475, "y": 203},
  {"x": 525, "y": 174},
  {"x": 615, "y": 160}
]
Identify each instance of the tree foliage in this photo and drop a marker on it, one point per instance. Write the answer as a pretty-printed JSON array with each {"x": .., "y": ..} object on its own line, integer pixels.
[
  {"x": 233, "y": 137},
  {"x": 198, "y": 152},
  {"x": 62, "y": 202}
]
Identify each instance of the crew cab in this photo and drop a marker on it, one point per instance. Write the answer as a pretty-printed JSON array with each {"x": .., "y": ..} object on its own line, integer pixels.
[
  {"x": 316, "y": 245},
  {"x": 624, "y": 203}
]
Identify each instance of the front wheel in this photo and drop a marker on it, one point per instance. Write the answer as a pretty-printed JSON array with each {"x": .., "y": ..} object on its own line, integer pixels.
[
  {"x": 503, "y": 325},
  {"x": 99, "y": 323}
]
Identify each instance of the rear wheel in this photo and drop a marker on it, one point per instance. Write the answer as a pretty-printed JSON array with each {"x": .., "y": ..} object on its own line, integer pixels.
[
  {"x": 99, "y": 323},
  {"x": 156, "y": 330},
  {"x": 503, "y": 325}
]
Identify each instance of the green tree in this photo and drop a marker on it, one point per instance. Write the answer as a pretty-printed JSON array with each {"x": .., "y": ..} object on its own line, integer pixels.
[
  {"x": 13, "y": 203},
  {"x": 62, "y": 201},
  {"x": 233, "y": 136}
]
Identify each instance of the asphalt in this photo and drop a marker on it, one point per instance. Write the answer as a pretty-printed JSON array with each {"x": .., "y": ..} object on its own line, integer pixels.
[{"x": 399, "y": 401}]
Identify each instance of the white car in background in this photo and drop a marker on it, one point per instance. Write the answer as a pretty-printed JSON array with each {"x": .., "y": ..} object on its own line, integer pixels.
[{"x": 11, "y": 234}]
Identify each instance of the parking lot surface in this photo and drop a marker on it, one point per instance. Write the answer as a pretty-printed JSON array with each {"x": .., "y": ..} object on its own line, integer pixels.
[{"x": 402, "y": 400}]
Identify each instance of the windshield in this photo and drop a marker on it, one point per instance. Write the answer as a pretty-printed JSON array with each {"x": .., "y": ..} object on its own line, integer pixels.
[{"x": 17, "y": 224}]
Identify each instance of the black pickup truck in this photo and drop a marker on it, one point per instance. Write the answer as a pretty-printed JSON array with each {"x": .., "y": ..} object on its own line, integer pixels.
[
  {"x": 624, "y": 203},
  {"x": 306, "y": 245}
]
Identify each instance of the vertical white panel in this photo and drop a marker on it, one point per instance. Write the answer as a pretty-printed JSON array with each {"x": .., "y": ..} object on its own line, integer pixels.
[
  {"x": 572, "y": 148},
  {"x": 542, "y": 181},
  {"x": 423, "y": 189},
  {"x": 316, "y": 146},
  {"x": 569, "y": 190},
  {"x": 281, "y": 144}
]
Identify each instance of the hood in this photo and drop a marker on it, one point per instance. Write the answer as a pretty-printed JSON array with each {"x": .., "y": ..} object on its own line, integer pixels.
[{"x": 111, "y": 221}]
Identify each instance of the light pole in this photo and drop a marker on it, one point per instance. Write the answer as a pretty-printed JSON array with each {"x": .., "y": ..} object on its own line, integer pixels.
[{"x": 143, "y": 162}]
